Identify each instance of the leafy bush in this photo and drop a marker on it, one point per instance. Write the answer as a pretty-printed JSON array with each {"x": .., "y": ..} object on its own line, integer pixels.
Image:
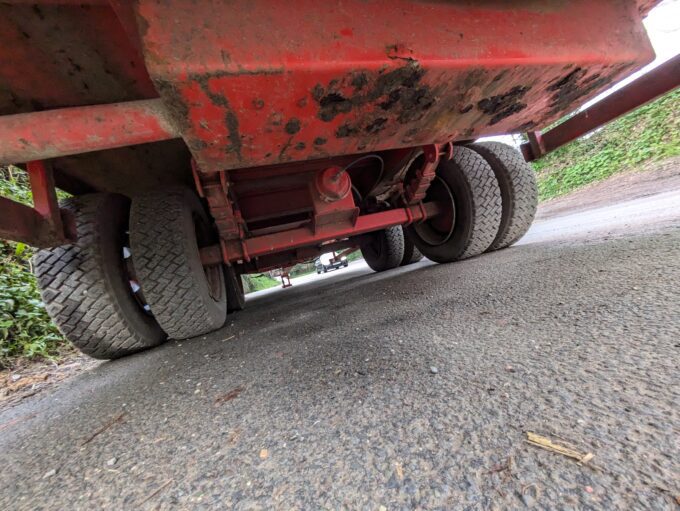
[
  {"x": 650, "y": 133},
  {"x": 25, "y": 328},
  {"x": 354, "y": 256},
  {"x": 301, "y": 269},
  {"x": 258, "y": 282}
]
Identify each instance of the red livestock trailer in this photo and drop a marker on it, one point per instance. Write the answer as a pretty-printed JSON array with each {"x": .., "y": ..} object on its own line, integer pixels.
[{"x": 204, "y": 139}]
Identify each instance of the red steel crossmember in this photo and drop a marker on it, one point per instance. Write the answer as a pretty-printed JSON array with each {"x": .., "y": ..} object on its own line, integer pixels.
[
  {"x": 65, "y": 131},
  {"x": 243, "y": 250},
  {"x": 44, "y": 224}
]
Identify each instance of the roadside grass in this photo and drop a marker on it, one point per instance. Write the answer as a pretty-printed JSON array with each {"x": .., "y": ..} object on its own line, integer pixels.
[
  {"x": 258, "y": 282},
  {"x": 26, "y": 331},
  {"x": 355, "y": 256},
  {"x": 650, "y": 133}
]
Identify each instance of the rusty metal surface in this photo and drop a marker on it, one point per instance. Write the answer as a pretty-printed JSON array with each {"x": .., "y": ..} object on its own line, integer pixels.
[
  {"x": 61, "y": 54},
  {"x": 417, "y": 186},
  {"x": 644, "y": 6},
  {"x": 45, "y": 201},
  {"x": 257, "y": 84},
  {"x": 66, "y": 131},
  {"x": 651, "y": 85},
  {"x": 215, "y": 188},
  {"x": 22, "y": 223},
  {"x": 42, "y": 225}
]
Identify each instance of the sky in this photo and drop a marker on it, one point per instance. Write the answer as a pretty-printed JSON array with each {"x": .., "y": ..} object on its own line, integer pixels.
[{"x": 663, "y": 27}]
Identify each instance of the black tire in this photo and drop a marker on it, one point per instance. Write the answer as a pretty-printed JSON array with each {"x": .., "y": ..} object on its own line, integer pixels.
[
  {"x": 86, "y": 285},
  {"x": 469, "y": 182},
  {"x": 411, "y": 252},
  {"x": 166, "y": 230},
  {"x": 519, "y": 192},
  {"x": 236, "y": 297},
  {"x": 385, "y": 250}
]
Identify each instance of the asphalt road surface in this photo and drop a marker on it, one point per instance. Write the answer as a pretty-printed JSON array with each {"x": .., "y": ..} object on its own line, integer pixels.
[{"x": 413, "y": 388}]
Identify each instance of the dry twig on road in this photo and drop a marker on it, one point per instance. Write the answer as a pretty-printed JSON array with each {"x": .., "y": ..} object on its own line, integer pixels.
[
  {"x": 548, "y": 445},
  {"x": 106, "y": 426}
]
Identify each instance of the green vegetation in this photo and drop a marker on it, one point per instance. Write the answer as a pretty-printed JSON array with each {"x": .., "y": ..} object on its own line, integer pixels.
[
  {"x": 354, "y": 256},
  {"x": 25, "y": 328},
  {"x": 650, "y": 133},
  {"x": 252, "y": 283},
  {"x": 301, "y": 269}
]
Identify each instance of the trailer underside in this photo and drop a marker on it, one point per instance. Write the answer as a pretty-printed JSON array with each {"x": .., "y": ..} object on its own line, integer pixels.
[
  {"x": 257, "y": 100},
  {"x": 204, "y": 140}
]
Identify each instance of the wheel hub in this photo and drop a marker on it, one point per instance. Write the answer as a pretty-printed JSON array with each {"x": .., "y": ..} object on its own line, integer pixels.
[{"x": 438, "y": 230}]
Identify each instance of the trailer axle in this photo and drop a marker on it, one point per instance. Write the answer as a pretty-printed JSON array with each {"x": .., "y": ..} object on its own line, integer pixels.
[{"x": 244, "y": 250}]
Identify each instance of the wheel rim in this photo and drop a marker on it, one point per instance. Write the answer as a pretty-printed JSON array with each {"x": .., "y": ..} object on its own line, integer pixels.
[
  {"x": 438, "y": 230},
  {"x": 131, "y": 277}
]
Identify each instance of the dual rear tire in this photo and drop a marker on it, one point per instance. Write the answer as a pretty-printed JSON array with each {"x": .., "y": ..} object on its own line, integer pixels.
[
  {"x": 389, "y": 249},
  {"x": 167, "y": 230},
  {"x": 89, "y": 287},
  {"x": 134, "y": 277},
  {"x": 491, "y": 196},
  {"x": 384, "y": 249}
]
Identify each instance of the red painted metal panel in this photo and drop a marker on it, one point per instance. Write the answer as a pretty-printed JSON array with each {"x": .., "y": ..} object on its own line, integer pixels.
[
  {"x": 259, "y": 84},
  {"x": 65, "y": 53},
  {"x": 651, "y": 85},
  {"x": 277, "y": 203},
  {"x": 65, "y": 131}
]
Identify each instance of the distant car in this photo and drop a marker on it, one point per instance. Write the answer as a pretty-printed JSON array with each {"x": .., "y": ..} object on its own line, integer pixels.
[{"x": 329, "y": 262}]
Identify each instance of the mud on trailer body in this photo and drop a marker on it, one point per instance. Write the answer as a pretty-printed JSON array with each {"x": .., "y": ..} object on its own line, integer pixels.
[{"x": 204, "y": 140}]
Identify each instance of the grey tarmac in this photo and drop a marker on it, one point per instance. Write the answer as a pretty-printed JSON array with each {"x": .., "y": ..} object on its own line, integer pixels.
[{"x": 322, "y": 396}]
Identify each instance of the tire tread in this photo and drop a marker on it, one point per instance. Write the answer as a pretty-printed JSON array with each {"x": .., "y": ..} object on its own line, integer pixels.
[
  {"x": 486, "y": 197},
  {"x": 162, "y": 264},
  {"x": 519, "y": 189},
  {"x": 74, "y": 289}
]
